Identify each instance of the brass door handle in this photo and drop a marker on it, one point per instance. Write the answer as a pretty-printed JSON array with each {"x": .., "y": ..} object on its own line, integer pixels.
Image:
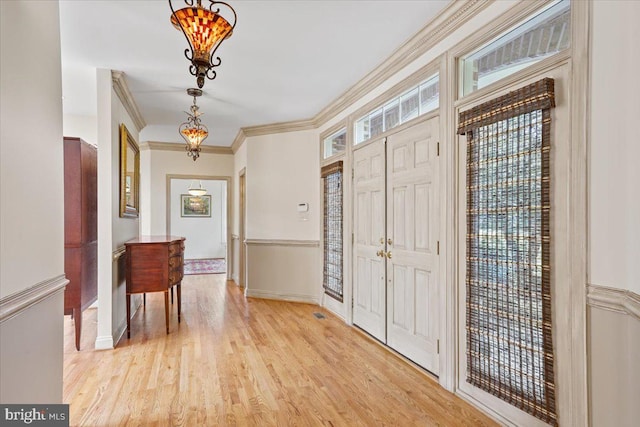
[
  {"x": 389, "y": 254},
  {"x": 380, "y": 253},
  {"x": 382, "y": 240},
  {"x": 389, "y": 241}
]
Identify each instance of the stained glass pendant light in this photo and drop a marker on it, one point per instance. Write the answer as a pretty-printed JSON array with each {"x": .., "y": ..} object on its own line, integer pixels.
[
  {"x": 193, "y": 131},
  {"x": 205, "y": 29}
]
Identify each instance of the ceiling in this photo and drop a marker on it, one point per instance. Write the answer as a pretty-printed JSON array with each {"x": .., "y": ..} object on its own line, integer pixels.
[{"x": 285, "y": 61}]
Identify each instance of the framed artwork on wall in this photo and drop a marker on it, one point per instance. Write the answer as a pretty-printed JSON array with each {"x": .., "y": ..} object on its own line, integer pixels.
[{"x": 195, "y": 206}]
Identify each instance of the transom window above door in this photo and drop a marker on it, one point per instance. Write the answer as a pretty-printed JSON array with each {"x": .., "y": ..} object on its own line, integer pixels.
[
  {"x": 539, "y": 36},
  {"x": 413, "y": 103},
  {"x": 335, "y": 143}
]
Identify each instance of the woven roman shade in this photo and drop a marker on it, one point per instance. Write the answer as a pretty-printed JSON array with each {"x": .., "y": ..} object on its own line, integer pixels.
[
  {"x": 332, "y": 225},
  {"x": 508, "y": 302}
]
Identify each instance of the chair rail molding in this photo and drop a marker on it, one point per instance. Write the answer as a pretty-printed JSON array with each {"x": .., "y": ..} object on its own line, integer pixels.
[
  {"x": 118, "y": 253},
  {"x": 14, "y": 304},
  {"x": 618, "y": 300},
  {"x": 275, "y": 242}
]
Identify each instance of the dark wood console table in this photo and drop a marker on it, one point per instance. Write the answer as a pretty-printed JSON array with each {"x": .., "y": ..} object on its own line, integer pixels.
[{"x": 154, "y": 264}]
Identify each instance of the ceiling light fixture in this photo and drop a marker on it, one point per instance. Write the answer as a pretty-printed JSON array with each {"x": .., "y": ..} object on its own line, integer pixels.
[
  {"x": 196, "y": 191},
  {"x": 205, "y": 30},
  {"x": 193, "y": 131}
]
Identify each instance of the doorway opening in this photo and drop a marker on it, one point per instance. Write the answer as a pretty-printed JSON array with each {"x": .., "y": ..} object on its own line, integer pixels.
[{"x": 203, "y": 219}]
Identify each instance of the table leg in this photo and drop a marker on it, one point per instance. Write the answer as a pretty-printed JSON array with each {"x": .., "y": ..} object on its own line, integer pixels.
[
  {"x": 77, "y": 320},
  {"x": 128, "y": 315},
  {"x": 179, "y": 301},
  {"x": 166, "y": 309}
]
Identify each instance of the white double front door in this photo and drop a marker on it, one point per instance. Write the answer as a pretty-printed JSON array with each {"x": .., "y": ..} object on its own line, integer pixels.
[{"x": 396, "y": 233}]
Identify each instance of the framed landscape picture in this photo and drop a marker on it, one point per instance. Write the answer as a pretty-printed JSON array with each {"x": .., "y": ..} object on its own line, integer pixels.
[{"x": 195, "y": 206}]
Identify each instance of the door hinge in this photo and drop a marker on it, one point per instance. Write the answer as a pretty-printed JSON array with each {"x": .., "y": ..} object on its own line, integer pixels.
[
  {"x": 438, "y": 149},
  {"x": 438, "y": 346},
  {"x": 438, "y": 248}
]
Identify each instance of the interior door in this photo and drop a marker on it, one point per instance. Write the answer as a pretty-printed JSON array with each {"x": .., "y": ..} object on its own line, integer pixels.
[
  {"x": 412, "y": 243},
  {"x": 369, "y": 291}
]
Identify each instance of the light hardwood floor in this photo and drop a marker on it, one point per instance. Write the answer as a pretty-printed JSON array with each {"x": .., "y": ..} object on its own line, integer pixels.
[{"x": 247, "y": 362}]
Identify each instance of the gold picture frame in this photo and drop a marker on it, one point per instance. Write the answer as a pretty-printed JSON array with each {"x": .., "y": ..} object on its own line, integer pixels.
[{"x": 129, "y": 175}]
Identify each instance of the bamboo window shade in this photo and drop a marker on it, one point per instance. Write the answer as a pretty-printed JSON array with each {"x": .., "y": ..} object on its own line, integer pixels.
[
  {"x": 332, "y": 226},
  {"x": 508, "y": 301}
]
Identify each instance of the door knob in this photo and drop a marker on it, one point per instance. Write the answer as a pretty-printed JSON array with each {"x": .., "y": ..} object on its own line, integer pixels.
[
  {"x": 382, "y": 240},
  {"x": 389, "y": 242},
  {"x": 380, "y": 253},
  {"x": 389, "y": 254}
]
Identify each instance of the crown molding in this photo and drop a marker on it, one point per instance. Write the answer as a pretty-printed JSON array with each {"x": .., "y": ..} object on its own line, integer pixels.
[
  {"x": 125, "y": 96},
  {"x": 445, "y": 23},
  {"x": 171, "y": 146},
  {"x": 293, "y": 126},
  {"x": 456, "y": 14},
  {"x": 238, "y": 141}
]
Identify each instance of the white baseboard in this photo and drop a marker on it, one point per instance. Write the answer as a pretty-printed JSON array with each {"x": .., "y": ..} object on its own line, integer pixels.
[
  {"x": 104, "y": 343},
  {"x": 282, "y": 296},
  {"x": 334, "y": 306},
  {"x": 119, "y": 333}
]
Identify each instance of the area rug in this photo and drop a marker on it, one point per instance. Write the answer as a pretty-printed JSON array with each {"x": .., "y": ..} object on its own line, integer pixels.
[{"x": 205, "y": 266}]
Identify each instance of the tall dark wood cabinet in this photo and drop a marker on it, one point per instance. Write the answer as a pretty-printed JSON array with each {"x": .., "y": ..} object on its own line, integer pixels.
[{"x": 80, "y": 228}]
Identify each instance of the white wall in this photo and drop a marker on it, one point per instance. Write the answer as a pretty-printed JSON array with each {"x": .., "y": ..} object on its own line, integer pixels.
[
  {"x": 206, "y": 236},
  {"x": 32, "y": 227},
  {"x": 113, "y": 231},
  {"x": 31, "y": 135},
  {"x": 123, "y": 229},
  {"x": 285, "y": 169},
  {"x": 85, "y": 127},
  {"x": 614, "y": 196},
  {"x": 614, "y": 212}
]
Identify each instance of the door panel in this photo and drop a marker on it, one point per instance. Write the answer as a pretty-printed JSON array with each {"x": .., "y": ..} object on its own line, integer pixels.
[
  {"x": 412, "y": 225},
  {"x": 369, "y": 309}
]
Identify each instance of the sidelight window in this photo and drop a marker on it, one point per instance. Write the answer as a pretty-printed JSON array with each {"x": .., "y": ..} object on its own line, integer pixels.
[
  {"x": 508, "y": 298},
  {"x": 332, "y": 226}
]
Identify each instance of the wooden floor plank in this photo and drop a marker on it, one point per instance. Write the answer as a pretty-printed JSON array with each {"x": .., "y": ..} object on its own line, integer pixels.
[{"x": 234, "y": 361}]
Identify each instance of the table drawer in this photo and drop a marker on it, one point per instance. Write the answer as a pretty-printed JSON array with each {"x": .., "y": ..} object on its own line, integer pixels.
[{"x": 175, "y": 262}]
